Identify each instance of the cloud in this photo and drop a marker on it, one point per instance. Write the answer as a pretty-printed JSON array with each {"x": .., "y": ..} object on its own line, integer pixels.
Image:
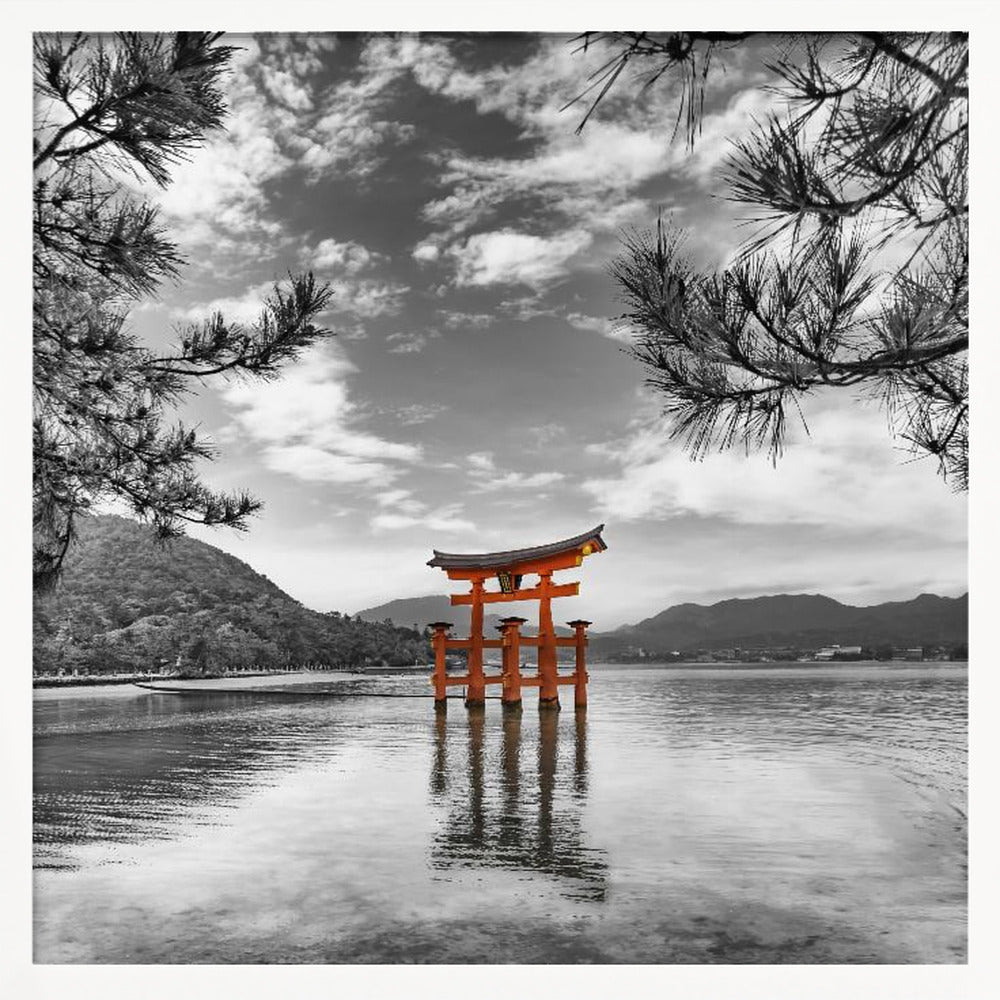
[
  {"x": 300, "y": 52},
  {"x": 320, "y": 465},
  {"x": 307, "y": 424},
  {"x": 612, "y": 329},
  {"x": 359, "y": 297},
  {"x": 714, "y": 141},
  {"x": 283, "y": 86},
  {"x": 481, "y": 461},
  {"x": 407, "y": 343},
  {"x": 426, "y": 252},
  {"x": 219, "y": 192},
  {"x": 418, "y": 413},
  {"x": 399, "y": 509},
  {"x": 443, "y": 519},
  {"x": 367, "y": 298},
  {"x": 243, "y": 308},
  {"x": 526, "y": 307},
  {"x": 282, "y": 119},
  {"x": 522, "y": 481},
  {"x": 345, "y": 258},
  {"x": 845, "y": 476},
  {"x": 599, "y": 180},
  {"x": 402, "y": 500},
  {"x": 455, "y": 320},
  {"x": 487, "y": 478},
  {"x": 509, "y": 257},
  {"x": 351, "y": 126}
]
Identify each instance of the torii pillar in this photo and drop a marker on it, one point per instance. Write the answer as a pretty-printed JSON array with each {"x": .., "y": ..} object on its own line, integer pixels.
[
  {"x": 510, "y": 630},
  {"x": 440, "y": 677},
  {"x": 548, "y": 693},
  {"x": 580, "y": 676}
]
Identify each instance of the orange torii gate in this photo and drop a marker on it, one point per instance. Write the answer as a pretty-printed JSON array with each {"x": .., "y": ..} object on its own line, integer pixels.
[{"x": 510, "y": 568}]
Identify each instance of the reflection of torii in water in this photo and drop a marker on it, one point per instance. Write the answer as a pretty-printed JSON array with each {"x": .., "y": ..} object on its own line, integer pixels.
[{"x": 550, "y": 842}]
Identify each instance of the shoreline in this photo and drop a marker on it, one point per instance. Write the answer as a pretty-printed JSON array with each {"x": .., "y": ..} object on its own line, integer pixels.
[
  {"x": 127, "y": 688},
  {"x": 82, "y": 680},
  {"x": 97, "y": 686}
]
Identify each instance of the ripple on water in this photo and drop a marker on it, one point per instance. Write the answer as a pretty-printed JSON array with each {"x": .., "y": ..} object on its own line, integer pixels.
[{"x": 738, "y": 815}]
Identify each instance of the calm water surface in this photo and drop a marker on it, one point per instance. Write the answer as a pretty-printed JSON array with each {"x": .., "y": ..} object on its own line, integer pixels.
[{"x": 773, "y": 815}]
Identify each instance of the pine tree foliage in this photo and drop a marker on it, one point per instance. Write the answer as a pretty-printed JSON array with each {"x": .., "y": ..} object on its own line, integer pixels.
[
  {"x": 109, "y": 107},
  {"x": 856, "y": 275}
]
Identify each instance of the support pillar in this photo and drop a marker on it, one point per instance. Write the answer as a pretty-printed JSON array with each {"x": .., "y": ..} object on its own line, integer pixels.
[
  {"x": 510, "y": 629},
  {"x": 580, "y": 676},
  {"x": 438, "y": 641},
  {"x": 475, "y": 695},
  {"x": 548, "y": 692}
]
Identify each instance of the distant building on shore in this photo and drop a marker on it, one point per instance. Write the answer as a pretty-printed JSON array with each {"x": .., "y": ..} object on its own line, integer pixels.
[{"x": 832, "y": 652}]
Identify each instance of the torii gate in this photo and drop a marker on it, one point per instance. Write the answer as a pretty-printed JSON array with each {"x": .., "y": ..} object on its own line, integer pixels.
[{"x": 510, "y": 568}]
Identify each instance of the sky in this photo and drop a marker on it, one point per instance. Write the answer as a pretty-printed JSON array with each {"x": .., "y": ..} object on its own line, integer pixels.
[{"x": 476, "y": 395}]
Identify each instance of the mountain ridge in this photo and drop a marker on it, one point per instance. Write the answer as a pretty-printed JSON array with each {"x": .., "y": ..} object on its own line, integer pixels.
[
  {"x": 126, "y": 602},
  {"x": 771, "y": 619}
]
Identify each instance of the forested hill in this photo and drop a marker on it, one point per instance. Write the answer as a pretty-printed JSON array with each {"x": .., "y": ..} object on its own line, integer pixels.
[
  {"x": 126, "y": 602},
  {"x": 797, "y": 621},
  {"x": 802, "y": 620}
]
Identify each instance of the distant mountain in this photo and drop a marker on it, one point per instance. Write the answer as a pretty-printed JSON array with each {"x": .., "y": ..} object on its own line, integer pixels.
[
  {"x": 409, "y": 611},
  {"x": 804, "y": 620},
  {"x": 126, "y": 602}
]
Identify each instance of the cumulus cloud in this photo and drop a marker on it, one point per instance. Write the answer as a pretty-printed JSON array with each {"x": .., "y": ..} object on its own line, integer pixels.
[
  {"x": 345, "y": 258},
  {"x": 282, "y": 85},
  {"x": 282, "y": 118},
  {"x": 245, "y": 307},
  {"x": 510, "y": 258},
  {"x": 352, "y": 128},
  {"x": 219, "y": 192},
  {"x": 846, "y": 475},
  {"x": 714, "y": 142},
  {"x": 598, "y": 179},
  {"x": 308, "y": 428},
  {"x": 481, "y": 461},
  {"x": 361, "y": 298},
  {"x": 426, "y": 252}
]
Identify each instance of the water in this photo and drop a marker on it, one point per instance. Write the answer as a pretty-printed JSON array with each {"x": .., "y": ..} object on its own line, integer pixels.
[{"x": 765, "y": 815}]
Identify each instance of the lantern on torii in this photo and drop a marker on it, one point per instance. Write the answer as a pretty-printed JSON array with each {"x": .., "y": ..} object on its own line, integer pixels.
[{"x": 510, "y": 569}]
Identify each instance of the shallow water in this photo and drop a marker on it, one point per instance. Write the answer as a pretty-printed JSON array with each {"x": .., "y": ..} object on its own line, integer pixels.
[{"x": 770, "y": 815}]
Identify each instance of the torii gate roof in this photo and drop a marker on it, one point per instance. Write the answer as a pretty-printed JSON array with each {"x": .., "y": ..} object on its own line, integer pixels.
[{"x": 512, "y": 557}]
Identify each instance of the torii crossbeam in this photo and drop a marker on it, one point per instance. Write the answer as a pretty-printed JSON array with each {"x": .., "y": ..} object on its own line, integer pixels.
[{"x": 510, "y": 568}]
